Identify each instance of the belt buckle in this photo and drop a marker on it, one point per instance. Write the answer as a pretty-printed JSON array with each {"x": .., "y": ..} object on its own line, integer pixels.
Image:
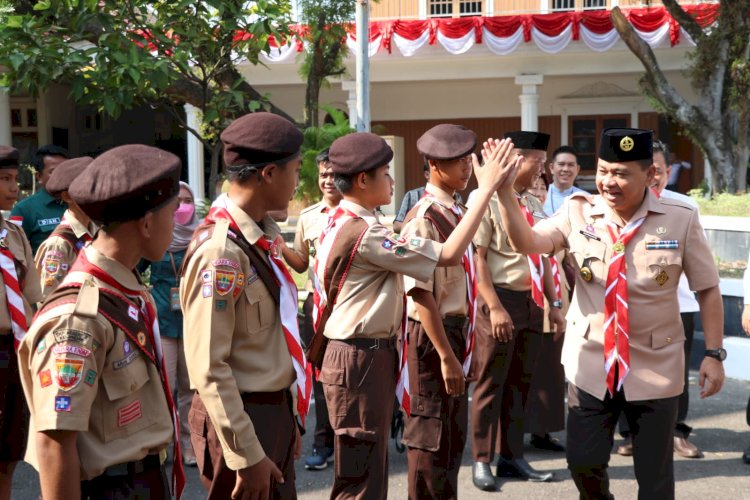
[{"x": 375, "y": 344}]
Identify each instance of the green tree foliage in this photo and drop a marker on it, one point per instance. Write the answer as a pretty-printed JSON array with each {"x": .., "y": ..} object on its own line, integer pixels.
[
  {"x": 325, "y": 23},
  {"x": 316, "y": 140},
  {"x": 117, "y": 54},
  {"x": 718, "y": 121}
]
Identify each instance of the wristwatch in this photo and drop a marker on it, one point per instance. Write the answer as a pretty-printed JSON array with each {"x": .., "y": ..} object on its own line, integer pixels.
[
  {"x": 720, "y": 353},
  {"x": 557, "y": 304}
]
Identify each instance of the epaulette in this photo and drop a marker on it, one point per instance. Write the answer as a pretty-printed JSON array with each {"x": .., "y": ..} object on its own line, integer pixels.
[
  {"x": 312, "y": 207},
  {"x": 676, "y": 203}
]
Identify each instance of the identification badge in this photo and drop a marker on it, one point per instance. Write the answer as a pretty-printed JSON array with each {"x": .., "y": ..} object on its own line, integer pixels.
[{"x": 174, "y": 299}]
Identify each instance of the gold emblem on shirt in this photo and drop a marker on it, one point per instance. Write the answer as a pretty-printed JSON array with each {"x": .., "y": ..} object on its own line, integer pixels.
[
  {"x": 661, "y": 278},
  {"x": 619, "y": 247}
]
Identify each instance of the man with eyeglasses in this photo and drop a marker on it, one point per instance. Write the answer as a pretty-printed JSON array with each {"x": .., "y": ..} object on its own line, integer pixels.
[{"x": 564, "y": 168}]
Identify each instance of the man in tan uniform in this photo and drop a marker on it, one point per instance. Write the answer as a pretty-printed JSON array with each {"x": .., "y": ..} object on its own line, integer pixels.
[
  {"x": 56, "y": 254},
  {"x": 90, "y": 364},
  {"x": 21, "y": 281},
  {"x": 440, "y": 332},
  {"x": 360, "y": 262},
  {"x": 506, "y": 354},
  {"x": 301, "y": 257},
  {"x": 623, "y": 347},
  {"x": 238, "y": 339}
]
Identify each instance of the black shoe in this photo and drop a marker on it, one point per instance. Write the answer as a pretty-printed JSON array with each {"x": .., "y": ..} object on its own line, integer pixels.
[
  {"x": 520, "y": 468},
  {"x": 546, "y": 442},
  {"x": 481, "y": 474},
  {"x": 746, "y": 456}
]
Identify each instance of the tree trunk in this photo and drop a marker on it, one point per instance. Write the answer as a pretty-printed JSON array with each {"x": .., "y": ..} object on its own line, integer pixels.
[
  {"x": 213, "y": 175},
  {"x": 312, "y": 97}
]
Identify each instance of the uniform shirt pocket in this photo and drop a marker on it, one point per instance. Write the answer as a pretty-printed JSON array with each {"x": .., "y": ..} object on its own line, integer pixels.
[
  {"x": 662, "y": 337},
  {"x": 125, "y": 412},
  {"x": 259, "y": 313},
  {"x": 663, "y": 268}
]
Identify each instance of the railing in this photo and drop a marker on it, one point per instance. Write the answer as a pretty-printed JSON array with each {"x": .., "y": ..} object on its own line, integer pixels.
[{"x": 423, "y": 9}]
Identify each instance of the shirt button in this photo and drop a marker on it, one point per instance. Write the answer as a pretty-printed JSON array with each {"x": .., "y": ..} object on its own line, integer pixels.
[
  {"x": 132, "y": 387},
  {"x": 669, "y": 339}
]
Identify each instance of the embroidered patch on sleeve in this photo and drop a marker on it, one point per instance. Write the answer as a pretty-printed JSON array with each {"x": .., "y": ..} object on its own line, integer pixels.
[
  {"x": 45, "y": 378},
  {"x": 400, "y": 251},
  {"x": 141, "y": 338},
  {"x": 71, "y": 349},
  {"x": 71, "y": 335},
  {"x": 90, "y": 378},
  {"x": 133, "y": 313},
  {"x": 224, "y": 281},
  {"x": 52, "y": 261},
  {"x": 129, "y": 413},
  {"x": 388, "y": 244},
  {"x": 226, "y": 262},
  {"x": 207, "y": 290},
  {"x": 41, "y": 346},
  {"x": 220, "y": 305},
  {"x": 415, "y": 243},
  {"x": 62, "y": 403},
  {"x": 68, "y": 372},
  {"x": 207, "y": 276}
]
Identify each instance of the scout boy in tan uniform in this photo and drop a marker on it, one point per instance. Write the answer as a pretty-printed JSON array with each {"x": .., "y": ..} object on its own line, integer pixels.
[
  {"x": 301, "y": 257},
  {"x": 242, "y": 344},
  {"x": 19, "y": 290},
  {"x": 90, "y": 364},
  {"x": 623, "y": 348},
  {"x": 360, "y": 299},
  {"x": 440, "y": 333},
  {"x": 56, "y": 254},
  {"x": 513, "y": 290}
]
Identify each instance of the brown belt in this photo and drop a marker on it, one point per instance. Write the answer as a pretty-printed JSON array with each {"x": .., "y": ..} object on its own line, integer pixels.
[
  {"x": 458, "y": 322},
  {"x": 149, "y": 462},
  {"x": 389, "y": 343},
  {"x": 267, "y": 398}
]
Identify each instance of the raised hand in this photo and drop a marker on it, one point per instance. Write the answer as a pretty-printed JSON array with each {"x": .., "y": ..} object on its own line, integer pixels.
[{"x": 496, "y": 155}]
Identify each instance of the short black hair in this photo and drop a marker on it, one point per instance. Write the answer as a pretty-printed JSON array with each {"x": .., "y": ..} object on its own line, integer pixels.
[
  {"x": 661, "y": 147},
  {"x": 565, "y": 149},
  {"x": 345, "y": 183},
  {"x": 37, "y": 161},
  {"x": 241, "y": 173},
  {"x": 322, "y": 157}
]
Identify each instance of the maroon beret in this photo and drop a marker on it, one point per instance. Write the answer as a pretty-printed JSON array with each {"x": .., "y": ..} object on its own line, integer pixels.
[
  {"x": 65, "y": 173},
  {"x": 260, "y": 138},
  {"x": 126, "y": 182},
  {"x": 8, "y": 157},
  {"x": 528, "y": 140},
  {"x": 446, "y": 142},
  {"x": 359, "y": 152}
]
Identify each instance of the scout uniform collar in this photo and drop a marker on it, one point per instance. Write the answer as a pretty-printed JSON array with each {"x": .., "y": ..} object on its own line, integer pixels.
[
  {"x": 249, "y": 228},
  {"x": 121, "y": 274},
  {"x": 78, "y": 228},
  {"x": 47, "y": 198},
  {"x": 650, "y": 204},
  {"x": 440, "y": 194},
  {"x": 359, "y": 211}
]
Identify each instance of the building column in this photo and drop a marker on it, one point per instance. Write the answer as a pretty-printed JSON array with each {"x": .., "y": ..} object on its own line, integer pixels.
[
  {"x": 195, "y": 154},
  {"x": 350, "y": 86},
  {"x": 6, "y": 137},
  {"x": 529, "y": 100}
]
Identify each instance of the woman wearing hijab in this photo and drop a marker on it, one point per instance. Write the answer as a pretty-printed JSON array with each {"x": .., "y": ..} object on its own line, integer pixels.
[{"x": 165, "y": 283}]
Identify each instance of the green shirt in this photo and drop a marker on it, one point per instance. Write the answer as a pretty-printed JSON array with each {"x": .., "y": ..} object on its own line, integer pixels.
[{"x": 41, "y": 214}]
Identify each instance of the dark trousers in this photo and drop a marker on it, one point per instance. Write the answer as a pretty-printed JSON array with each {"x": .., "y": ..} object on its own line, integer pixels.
[
  {"x": 14, "y": 414},
  {"x": 503, "y": 373},
  {"x": 435, "y": 433},
  {"x": 590, "y": 432},
  {"x": 545, "y": 409},
  {"x": 359, "y": 385},
  {"x": 681, "y": 429},
  {"x": 150, "y": 483},
  {"x": 323, "y": 436},
  {"x": 271, "y": 414}
]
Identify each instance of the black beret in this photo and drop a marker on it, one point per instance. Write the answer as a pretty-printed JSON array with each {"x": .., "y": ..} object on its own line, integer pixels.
[
  {"x": 8, "y": 157},
  {"x": 126, "y": 182},
  {"x": 446, "y": 142},
  {"x": 621, "y": 145},
  {"x": 260, "y": 138},
  {"x": 528, "y": 140},
  {"x": 359, "y": 152},
  {"x": 65, "y": 173}
]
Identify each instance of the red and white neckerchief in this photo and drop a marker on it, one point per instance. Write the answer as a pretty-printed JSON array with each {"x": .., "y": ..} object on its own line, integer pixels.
[
  {"x": 13, "y": 295},
  {"x": 327, "y": 238},
  {"x": 616, "y": 322},
  {"x": 536, "y": 266},
  {"x": 152, "y": 327},
  {"x": 287, "y": 309},
  {"x": 555, "y": 268},
  {"x": 467, "y": 260}
]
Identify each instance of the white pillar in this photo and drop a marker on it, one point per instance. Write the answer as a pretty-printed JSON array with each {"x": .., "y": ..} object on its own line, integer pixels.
[
  {"x": 529, "y": 101},
  {"x": 6, "y": 137},
  {"x": 350, "y": 86},
  {"x": 195, "y": 153},
  {"x": 362, "y": 57}
]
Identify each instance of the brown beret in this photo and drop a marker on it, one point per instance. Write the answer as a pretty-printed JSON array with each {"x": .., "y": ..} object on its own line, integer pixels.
[
  {"x": 446, "y": 142},
  {"x": 258, "y": 139},
  {"x": 8, "y": 157},
  {"x": 359, "y": 152},
  {"x": 126, "y": 182},
  {"x": 528, "y": 140},
  {"x": 619, "y": 145},
  {"x": 65, "y": 173}
]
